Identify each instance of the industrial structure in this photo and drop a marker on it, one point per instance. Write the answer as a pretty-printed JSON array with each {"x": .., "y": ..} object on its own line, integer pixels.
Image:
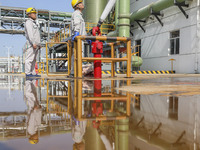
[
  {"x": 167, "y": 29},
  {"x": 161, "y": 30},
  {"x": 158, "y": 30},
  {"x": 130, "y": 36}
]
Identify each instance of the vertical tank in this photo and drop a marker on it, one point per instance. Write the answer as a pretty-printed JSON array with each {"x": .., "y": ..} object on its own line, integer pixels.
[{"x": 93, "y": 10}]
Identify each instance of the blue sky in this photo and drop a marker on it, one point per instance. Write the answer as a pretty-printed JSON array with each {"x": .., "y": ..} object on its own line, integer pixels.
[{"x": 17, "y": 41}]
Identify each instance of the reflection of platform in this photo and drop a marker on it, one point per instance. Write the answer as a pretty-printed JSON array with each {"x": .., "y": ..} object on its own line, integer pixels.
[
  {"x": 58, "y": 96},
  {"x": 115, "y": 106},
  {"x": 106, "y": 103}
]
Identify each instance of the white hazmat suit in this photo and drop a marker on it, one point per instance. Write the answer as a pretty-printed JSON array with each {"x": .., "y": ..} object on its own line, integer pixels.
[{"x": 32, "y": 34}]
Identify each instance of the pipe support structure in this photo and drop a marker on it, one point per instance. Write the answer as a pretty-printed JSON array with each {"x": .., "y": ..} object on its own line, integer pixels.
[{"x": 156, "y": 7}]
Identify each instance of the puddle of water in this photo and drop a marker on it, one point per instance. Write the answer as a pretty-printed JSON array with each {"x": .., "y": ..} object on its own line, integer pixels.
[{"x": 86, "y": 114}]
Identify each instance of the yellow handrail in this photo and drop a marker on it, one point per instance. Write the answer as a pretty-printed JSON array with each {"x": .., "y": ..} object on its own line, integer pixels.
[
  {"x": 79, "y": 59},
  {"x": 68, "y": 51},
  {"x": 105, "y": 28},
  {"x": 133, "y": 53}
]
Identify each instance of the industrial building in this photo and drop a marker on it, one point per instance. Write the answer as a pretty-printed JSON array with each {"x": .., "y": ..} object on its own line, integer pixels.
[{"x": 169, "y": 33}]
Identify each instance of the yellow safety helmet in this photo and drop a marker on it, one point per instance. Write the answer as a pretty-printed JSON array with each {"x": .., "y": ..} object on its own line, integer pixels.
[
  {"x": 33, "y": 141},
  {"x": 75, "y": 2},
  {"x": 30, "y": 10}
]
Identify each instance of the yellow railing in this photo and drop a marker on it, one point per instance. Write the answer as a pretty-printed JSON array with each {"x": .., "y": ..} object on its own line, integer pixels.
[
  {"x": 134, "y": 52},
  {"x": 65, "y": 32},
  {"x": 109, "y": 96},
  {"x": 105, "y": 28},
  {"x": 74, "y": 105},
  {"x": 58, "y": 108},
  {"x": 78, "y": 59},
  {"x": 68, "y": 58},
  {"x": 61, "y": 35}
]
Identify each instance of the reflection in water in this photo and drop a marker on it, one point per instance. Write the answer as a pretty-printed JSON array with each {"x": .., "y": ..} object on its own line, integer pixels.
[
  {"x": 78, "y": 131},
  {"x": 94, "y": 112},
  {"x": 34, "y": 112},
  {"x": 165, "y": 123},
  {"x": 98, "y": 116}
]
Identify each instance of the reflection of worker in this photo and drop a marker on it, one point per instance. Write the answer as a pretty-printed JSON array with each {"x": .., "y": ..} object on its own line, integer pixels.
[
  {"x": 34, "y": 112},
  {"x": 78, "y": 28},
  {"x": 78, "y": 131},
  {"x": 33, "y": 43},
  {"x": 78, "y": 127}
]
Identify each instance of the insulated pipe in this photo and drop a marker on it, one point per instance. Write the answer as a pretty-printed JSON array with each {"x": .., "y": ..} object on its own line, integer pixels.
[
  {"x": 124, "y": 18},
  {"x": 116, "y": 15},
  {"x": 156, "y": 7},
  {"x": 141, "y": 13},
  {"x": 106, "y": 11}
]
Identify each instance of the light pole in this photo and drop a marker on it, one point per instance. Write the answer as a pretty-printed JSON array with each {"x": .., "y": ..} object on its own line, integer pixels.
[{"x": 8, "y": 56}]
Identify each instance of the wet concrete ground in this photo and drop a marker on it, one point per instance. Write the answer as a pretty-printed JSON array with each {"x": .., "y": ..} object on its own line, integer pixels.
[{"x": 146, "y": 112}]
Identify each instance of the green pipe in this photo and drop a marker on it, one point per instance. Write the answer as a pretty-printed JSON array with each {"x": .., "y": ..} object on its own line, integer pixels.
[
  {"x": 123, "y": 134},
  {"x": 156, "y": 7},
  {"x": 116, "y": 14},
  {"x": 93, "y": 10},
  {"x": 136, "y": 61},
  {"x": 124, "y": 18},
  {"x": 92, "y": 139},
  {"x": 141, "y": 13},
  {"x": 116, "y": 135},
  {"x": 163, "y": 4}
]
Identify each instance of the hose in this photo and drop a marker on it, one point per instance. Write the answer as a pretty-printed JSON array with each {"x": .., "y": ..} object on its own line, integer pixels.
[{"x": 106, "y": 11}]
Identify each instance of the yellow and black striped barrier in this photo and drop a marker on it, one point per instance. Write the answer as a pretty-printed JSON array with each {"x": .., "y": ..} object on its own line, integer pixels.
[{"x": 140, "y": 72}]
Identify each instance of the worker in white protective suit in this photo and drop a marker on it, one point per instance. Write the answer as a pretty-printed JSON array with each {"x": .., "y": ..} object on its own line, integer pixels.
[
  {"x": 34, "y": 112},
  {"x": 78, "y": 28},
  {"x": 33, "y": 43}
]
